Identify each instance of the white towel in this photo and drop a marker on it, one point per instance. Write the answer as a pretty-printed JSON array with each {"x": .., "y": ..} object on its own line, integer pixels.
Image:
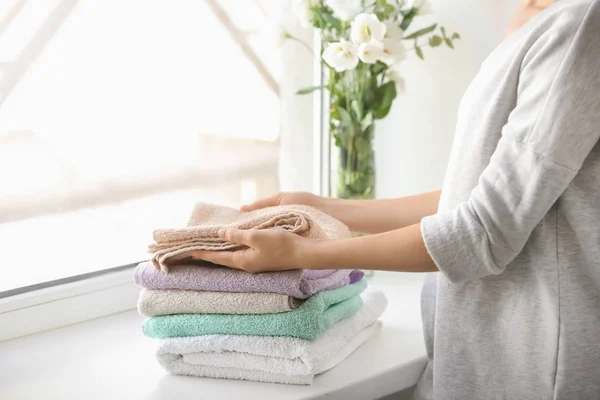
[{"x": 277, "y": 359}]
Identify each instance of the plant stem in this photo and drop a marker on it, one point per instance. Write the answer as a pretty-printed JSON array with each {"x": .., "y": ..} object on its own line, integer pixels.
[
  {"x": 424, "y": 45},
  {"x": 304, "y": 44}
]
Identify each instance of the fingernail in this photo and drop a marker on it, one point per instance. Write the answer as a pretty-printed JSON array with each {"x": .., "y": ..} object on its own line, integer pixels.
[{"x": 221, "y": 232}]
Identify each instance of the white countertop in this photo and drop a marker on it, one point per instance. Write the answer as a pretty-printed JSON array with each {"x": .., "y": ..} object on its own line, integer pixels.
[{"x": 109, "y": 359}]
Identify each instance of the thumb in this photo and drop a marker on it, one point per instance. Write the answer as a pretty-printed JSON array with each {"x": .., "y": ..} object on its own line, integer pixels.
[{"x": 237, "y": 236}]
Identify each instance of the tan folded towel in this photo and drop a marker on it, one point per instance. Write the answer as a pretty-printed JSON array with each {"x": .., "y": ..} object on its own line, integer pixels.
[
  {"x": 172, "y": 245},
  {"x": 165, "y": 302}
]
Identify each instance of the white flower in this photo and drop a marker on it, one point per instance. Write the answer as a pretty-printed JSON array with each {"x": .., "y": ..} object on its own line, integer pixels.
[
  {"x": 341, "y": 56},
  {"x": 393, "y": 47},
  {"x": 345, "y": 9},
  {"x": 393, "y": 30},
  {"x": 393, "y": 75},
  {"x": 303, "y": 11},
  {"x": 367, "y": 27},
  {"x": 424, "y": 6},
  {"x": 394, "y": 51},
  {"x": 370, "y": 52}
]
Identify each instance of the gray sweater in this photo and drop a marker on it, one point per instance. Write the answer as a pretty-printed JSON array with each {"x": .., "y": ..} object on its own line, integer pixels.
[{"x": 515, "y": 311}]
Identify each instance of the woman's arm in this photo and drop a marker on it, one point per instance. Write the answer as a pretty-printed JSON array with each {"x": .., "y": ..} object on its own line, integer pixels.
[
  {"x": 377, "y": 216},
  {"x": 534, "y": 162},
  {"x": 398, "y": 250},
  {"x": 277, "y": 250},
  {"x": 366, "y": 216}
]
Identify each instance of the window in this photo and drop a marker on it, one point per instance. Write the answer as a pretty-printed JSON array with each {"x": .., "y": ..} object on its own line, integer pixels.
[{"x": 117, "y": 116}]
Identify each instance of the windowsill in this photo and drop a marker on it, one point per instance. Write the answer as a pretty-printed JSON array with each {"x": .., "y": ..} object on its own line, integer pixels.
[{"x": 109, "y": 358}]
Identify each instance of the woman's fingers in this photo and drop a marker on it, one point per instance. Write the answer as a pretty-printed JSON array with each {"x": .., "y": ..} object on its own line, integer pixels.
[
  {"x": 266, "y": 250},
  {"x": 262, "y": 203},
  {"x": 237, "y": 236},
  {"x": 216, "y": 257},
  {"x": 233, "y": 259},
  {"x": 239, "y": 259}
]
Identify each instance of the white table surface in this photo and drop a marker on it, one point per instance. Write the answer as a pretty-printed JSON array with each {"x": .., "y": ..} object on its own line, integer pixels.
[{"x": 109, "y": 359}]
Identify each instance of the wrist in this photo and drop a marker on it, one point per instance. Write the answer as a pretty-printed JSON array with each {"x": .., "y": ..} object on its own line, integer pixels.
[
  {"x": 308, "y": 254},
  {"x": 318, "y": 202}
]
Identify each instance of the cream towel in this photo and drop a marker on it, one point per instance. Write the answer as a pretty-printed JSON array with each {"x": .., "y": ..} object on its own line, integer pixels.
[
  {"x": 164, "y": 302},
  {"x": 172, "y": 245},
  {"x": 276, "y": 359}
]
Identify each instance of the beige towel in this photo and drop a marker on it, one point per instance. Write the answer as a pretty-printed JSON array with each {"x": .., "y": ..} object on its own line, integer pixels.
[
  {"x": 172, "y": 245},
  {"x": 165, "y": 302}
]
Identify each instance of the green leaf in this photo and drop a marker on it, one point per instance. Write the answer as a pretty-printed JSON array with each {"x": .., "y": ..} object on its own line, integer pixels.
[
  {"x": 336, "y": 139},
  {"x": 310, "y": 89},
  {"x": 408, "y": 17},
  {"x": 449, "y": 43},
  {"x": 421, "y": 32},
  {"x": 383, "y": 10},
  {"x": 332, "y": 21},
  {"x": 316, "y": 13},
  {"x": 407, "y": 12},
  {"x": 370, "y": 90},
  {"x": 435, "y": 41},
  {"x": 385, "y": 96},
  {"x": 455, "y": 36},
  {"x": 389, "y": 9},
  {"x": 364, "y": 148},
  {"x": 378, "y": 68},
  {"x": 367, "y": 121},
  {"x": 381, "y": 15},
  {"x": 337, "y": 88},
  {"x": 357, "y": 108},
  {"x": 345, "y": 117},
  {"x": 419, "y": 52}
]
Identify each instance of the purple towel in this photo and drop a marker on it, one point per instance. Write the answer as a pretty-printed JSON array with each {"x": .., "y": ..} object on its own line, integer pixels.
[
  {"x": 356, "y": 276},
  {"x": 299, "y": 283}
]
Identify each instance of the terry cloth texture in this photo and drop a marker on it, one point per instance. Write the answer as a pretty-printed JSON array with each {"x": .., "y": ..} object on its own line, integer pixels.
[
  {"x": 167, "y": 302},
  {"x": 174, "y": 245},
  {"x": 308, "y": 321},
  {"x": 205, "y": 276},
  {"x": 272, "y": 359}
]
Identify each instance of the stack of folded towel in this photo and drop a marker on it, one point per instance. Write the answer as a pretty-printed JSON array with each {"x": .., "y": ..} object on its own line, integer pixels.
[{"x": 218, "y": 322}]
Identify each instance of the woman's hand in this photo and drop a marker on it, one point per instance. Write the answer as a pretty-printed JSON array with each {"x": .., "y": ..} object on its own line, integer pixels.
[
  {"x": 279, "y": 250},
  {"x": 284, "y": 198},
  {"x": 365, "y": 216},
  {"x": 268, "y": 250}
]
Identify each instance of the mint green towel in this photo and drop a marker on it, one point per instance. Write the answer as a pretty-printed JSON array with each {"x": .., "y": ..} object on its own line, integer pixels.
[{"x": 308, "y": 321}]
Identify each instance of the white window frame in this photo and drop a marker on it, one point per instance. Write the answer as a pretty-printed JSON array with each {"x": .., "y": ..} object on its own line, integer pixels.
[
  {"x": 67, "y": 301},
  {"x": 322, "y": 139}
]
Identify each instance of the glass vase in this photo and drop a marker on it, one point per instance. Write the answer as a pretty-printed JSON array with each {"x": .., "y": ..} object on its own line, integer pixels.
[{"x": 356, "y": 163}]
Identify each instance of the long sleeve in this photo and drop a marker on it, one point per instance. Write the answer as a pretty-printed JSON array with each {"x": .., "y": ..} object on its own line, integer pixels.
[{"x": 549, "y": 134}]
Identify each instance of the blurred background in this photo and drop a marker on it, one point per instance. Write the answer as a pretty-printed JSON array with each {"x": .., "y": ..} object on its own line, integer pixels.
[{"x": 117, "y": 116}]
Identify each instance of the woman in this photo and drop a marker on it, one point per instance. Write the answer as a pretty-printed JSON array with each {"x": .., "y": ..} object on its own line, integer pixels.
[{"x": 515, "y": 232}]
